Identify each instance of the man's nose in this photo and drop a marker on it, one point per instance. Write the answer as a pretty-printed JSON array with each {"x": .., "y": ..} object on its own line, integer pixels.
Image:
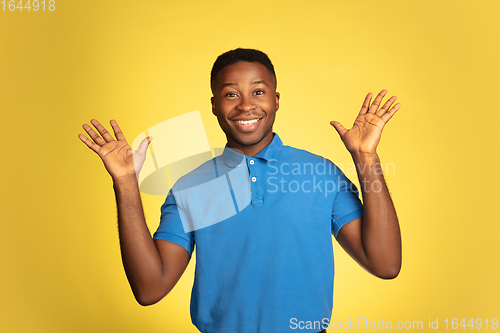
[{"x": 246, "y": 104}]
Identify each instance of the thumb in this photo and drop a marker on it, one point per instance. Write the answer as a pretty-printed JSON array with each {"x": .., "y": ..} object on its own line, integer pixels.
[
  {"x": 144, "y": 145},
  {"x": 339, "y": 127}
]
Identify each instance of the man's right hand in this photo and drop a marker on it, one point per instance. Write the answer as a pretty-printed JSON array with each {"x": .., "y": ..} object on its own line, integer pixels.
[
  {"x": 118, "y": 158},
  {"x": 152, "y": 267}
]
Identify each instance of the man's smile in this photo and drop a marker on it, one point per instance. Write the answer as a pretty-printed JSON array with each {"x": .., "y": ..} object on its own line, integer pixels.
[{"x": 246, "y": 125}]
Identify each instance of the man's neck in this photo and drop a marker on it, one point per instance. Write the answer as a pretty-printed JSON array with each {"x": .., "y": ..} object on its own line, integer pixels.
[{"x": 253, "y": 149}]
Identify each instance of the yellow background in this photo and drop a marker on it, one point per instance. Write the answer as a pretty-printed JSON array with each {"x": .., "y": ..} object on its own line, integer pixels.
[{"x": 144, "y": 62}]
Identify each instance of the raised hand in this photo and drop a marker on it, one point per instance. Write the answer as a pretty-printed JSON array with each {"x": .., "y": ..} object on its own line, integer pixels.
[
  {"x": 118, "y": 158},
  {"x": 365, "y": 133}
]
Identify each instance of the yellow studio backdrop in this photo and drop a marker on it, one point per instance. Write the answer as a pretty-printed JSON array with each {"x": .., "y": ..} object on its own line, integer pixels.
[{"x": 143, "y": 62}]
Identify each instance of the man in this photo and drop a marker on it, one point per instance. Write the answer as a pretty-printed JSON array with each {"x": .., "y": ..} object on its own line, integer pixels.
[{"x": 269, "y": 266}]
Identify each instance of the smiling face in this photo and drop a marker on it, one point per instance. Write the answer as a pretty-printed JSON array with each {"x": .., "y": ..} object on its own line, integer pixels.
[{"x": 245, "y": 102}]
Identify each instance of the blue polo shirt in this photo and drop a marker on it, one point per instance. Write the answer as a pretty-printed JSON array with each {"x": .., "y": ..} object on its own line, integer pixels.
[{"x": 263, "y": 230}]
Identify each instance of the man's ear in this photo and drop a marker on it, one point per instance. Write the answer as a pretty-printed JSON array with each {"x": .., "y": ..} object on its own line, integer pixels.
[
  {"x": 277, "y": 101},
  {"x": 212, "y": 100}
]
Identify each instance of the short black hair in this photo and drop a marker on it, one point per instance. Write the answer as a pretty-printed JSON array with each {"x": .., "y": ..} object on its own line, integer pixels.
[{"x": 231, "y": 57}]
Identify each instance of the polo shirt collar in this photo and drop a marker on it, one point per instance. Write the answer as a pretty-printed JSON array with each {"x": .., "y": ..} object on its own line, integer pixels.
[
  {"x": 272, "y": 149},
  {"x": 233, "y": 158}
]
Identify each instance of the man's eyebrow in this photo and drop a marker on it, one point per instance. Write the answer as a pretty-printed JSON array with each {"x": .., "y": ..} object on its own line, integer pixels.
[
  {"x": 229, "y": 84},
  {"x": 259, "y": 82},
  {"x": 232, "y": 84}
]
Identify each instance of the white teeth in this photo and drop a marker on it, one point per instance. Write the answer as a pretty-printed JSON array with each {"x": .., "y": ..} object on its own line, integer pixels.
[{"x": 247, "y": 122}]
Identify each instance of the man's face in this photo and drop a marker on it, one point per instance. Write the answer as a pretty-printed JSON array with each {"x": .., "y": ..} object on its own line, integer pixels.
[{"x": 245, "y": 102}]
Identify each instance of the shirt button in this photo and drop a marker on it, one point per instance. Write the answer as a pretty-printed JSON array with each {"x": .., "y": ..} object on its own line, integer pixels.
[
  {"x": 252, "y": 162},
  {"x": 254, "y": 179}
]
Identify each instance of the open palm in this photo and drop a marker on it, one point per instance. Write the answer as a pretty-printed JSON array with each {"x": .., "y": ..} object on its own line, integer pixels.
[
  {"x": 365, "y": 133},
  {"x": 118, "y": 158}
]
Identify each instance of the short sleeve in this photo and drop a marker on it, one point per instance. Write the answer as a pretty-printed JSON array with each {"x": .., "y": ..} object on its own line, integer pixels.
[
  {"x": 346, "y": 205},
  {"x": 170, "y": 228}
]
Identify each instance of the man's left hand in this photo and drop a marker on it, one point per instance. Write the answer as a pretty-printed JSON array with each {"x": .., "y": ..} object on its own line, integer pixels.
[{"x": 365, "y": 133}]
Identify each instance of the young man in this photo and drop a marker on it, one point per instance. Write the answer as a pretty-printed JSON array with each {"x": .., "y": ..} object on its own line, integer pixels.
[{"x": 266, "y": 265}]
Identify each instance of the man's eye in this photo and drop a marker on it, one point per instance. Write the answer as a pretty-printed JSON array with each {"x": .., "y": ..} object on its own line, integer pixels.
[
  {"x": 231, "y": 95},
  {"x": 259, "y": 92}
]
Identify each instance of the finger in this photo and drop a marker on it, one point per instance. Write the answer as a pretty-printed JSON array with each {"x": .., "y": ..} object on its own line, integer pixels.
[
  {"x": 104, "y": 132},
  {"x": 387, "y": 106},
  {"x": 366, "y": 104},
  {"x": 89, "y": 143},
  {"x": 96, "y": 137},
  {"x": 144, "y": 145},
  {"x": 388, "y": 115},
  {"x": 339, "y": 127},
  {"x": 377, "y": 101},
  {"x": 118, "y": 132}
]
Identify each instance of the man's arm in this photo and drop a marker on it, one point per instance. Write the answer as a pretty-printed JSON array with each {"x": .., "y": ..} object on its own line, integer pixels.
[
  {"x": 374, "y": 240},
  {"x": 152, "y": 267}
]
